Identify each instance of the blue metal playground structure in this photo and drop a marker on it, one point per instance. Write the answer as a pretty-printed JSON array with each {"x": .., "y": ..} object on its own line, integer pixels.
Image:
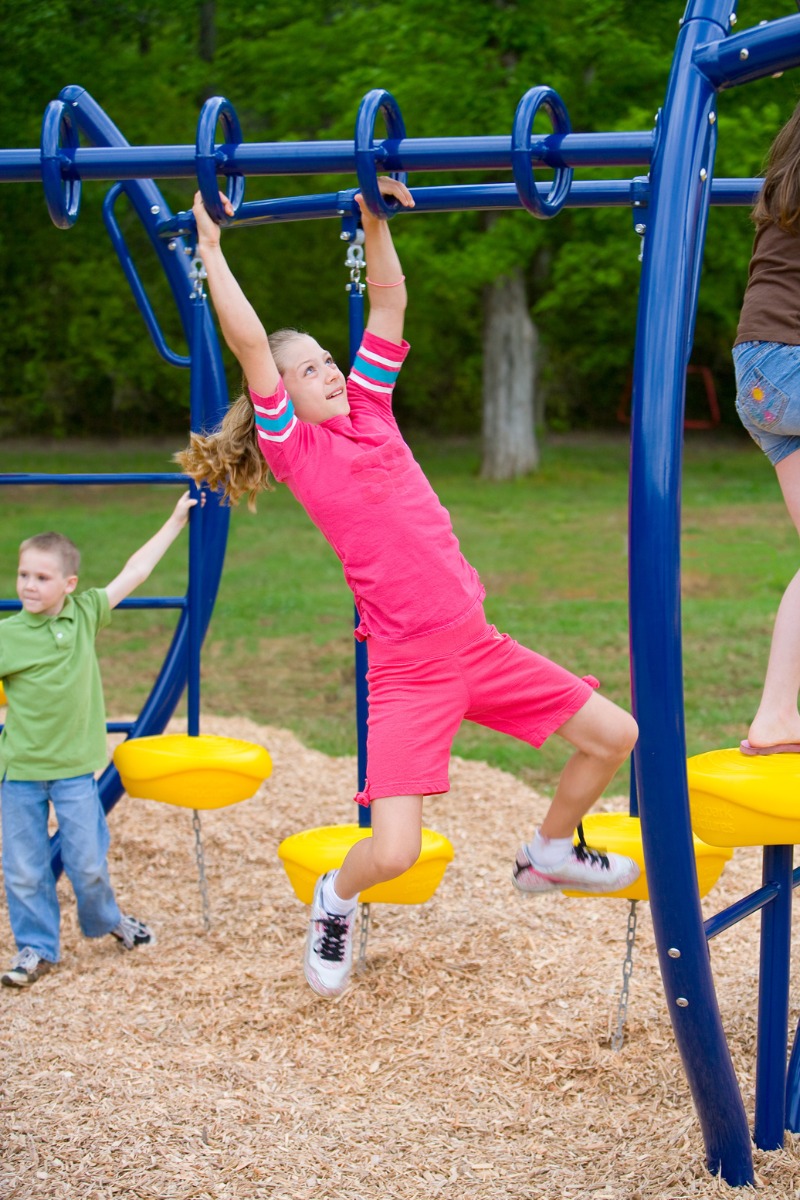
[{"x": 670, "y": 206}]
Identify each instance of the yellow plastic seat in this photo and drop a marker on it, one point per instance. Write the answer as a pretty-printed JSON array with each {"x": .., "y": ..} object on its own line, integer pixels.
[
  {"x": 192, "y": 772},
  {"x": 3, "y": 699},
  {"x": 311, "y": 853},
  {"x": 745, "y": 800},
  {"x": 622, "y": 834}
]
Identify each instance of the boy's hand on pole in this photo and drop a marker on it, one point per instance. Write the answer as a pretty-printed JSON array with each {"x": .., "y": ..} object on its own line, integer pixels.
[{"x": 183, "y": 507}]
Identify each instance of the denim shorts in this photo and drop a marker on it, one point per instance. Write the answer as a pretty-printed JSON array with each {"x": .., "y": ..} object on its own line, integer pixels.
[{"x": 768, "y": 396}]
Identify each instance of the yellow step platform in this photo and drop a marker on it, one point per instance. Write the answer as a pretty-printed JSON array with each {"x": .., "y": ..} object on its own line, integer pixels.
[
  {"x": 193, "y": 772},
  {"x": 311, "y": 853},
  {"x": 745, "y": 800},
  {"x": 2, "y": 695},
  {"x": 622, "y": 834}
]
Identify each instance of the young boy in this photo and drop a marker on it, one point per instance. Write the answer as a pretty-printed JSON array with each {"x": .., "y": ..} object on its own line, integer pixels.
[{"x": 54, "y": 740}]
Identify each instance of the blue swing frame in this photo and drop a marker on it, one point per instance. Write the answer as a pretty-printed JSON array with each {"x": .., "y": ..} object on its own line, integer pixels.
[{"x": 670, "y": 206}]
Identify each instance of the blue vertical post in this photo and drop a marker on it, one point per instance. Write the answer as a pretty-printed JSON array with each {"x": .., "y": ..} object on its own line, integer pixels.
[
  {"x": 195, "y": 521},
  {"x": 792, "y": 1119},
  {"x": 773, "y": 999}
]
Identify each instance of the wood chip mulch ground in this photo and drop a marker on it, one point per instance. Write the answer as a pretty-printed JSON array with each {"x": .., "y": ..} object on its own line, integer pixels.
[{"x": 471, "y": 1058}]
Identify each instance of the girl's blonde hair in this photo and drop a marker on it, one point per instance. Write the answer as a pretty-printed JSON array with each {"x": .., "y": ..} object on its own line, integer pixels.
[
  {"x": 779, "y": 200},
  {"x": 230, "y": 459}
]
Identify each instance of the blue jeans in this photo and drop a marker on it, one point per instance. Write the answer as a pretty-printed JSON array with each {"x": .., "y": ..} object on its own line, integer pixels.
[
  {"x": 30, "y": 885},
  {"x": 768, "y": 396}
]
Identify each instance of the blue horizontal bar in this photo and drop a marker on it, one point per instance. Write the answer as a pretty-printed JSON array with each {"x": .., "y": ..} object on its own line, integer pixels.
[
  {"x": 33, "y": 477},
  {"x": 745, "y": 907},
  {"x": 136, "y": 602},
  {"x": 767, "y": 49},
  {"x": 608, "y": 193},
  {"x": 154, "y": 602},
  {"x": 625, "y": 148},
  {"x": 119, "y": 726}
]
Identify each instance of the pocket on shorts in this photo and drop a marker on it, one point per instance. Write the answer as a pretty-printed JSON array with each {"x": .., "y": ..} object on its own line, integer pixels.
[
  {"x": 760, "y": 403},
  {"x": 768, "y": 396}
]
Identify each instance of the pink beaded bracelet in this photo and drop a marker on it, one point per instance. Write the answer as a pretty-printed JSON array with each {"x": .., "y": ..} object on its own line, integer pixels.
[{"x": 396, "y": 284}]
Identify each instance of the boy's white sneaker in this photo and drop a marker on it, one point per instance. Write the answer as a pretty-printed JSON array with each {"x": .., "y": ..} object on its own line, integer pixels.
[
  {"x": 131, "y": 934},
  {"x": 26, "y": 967},
  {"x": 329, "y": 946},
  {"x": 583, "y": 870}
]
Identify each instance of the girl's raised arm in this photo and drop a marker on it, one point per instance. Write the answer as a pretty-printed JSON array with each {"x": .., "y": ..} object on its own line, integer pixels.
[
  {"x": 385, "y": 280},
  {"x": 241, "y": 327}
]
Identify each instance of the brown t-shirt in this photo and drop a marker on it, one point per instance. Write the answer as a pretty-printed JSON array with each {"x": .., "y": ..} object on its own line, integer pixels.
[{"x": 771, "y": 307}]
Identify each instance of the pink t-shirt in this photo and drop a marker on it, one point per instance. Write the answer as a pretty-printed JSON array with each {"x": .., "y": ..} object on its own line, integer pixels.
[{"x": 360, "y": 484}]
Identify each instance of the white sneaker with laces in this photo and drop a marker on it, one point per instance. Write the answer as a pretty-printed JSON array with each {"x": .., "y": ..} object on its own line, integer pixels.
[
  {"x": 583, "y": 870},
  {"x": 329, "y": 946},
  {"x": 131, "y": 934},
  {"x": 26, "y": 967}
]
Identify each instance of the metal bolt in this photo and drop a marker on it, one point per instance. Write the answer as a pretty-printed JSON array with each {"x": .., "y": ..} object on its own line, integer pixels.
[
  {"x": 733, "y": 18},
  {"x": 154, "y": 209},
  {"x": 674, "y": 952},
  {"x": 743, "y": 54},
  {"x": 712, "y": 117},
  {"x": 682, "y": 1002},
  {"x": 344, "y": 237},
  {"x": 703, "y": 174},
  {"x": 171, "y": 246},
  {"x": 640, "y": 228}
]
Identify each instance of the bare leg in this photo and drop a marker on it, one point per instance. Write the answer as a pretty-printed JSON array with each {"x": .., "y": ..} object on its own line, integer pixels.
[
  {"x": 777, "y": 719},
  {"x": 394, "y": 846},
  {"x": 603, "y": 736}
]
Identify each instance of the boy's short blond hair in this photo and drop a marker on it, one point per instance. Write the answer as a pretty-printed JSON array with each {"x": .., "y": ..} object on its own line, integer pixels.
[{"x": 58, "y": 545}]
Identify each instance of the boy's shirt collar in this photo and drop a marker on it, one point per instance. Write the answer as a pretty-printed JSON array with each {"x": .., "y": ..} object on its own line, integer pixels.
[{"x": 67, "y": 613}]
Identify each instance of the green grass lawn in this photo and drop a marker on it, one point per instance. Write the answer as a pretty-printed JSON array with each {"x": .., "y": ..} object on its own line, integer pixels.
[{"x": 551, "y": 550}]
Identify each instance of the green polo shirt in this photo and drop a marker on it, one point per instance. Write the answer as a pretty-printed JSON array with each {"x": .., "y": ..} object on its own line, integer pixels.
[{"x": 56, "y": 722}]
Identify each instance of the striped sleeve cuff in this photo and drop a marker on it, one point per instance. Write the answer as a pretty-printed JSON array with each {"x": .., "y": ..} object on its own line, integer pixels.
[
  {"x": 275, "y": 416},
  {"x": 375, "y": 371}
]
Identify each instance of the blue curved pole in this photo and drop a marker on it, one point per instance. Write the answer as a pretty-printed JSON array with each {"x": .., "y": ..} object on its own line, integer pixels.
[
  {"x": 675, "y": 230},
  {"x": 211, "y": 397}
]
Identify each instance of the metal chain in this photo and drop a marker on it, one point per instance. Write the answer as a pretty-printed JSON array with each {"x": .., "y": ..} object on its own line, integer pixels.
[
  {"x": 362, "y": 945},
  {"x": 197, "y": 273},
  {"x": 356, "y": 262},
  {"x": 201, "y": 869},
  {"x": 627, "y": 970}
]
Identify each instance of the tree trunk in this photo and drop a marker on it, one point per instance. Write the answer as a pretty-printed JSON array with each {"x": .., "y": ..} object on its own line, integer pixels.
[
  {"x": 207, "y": 40},
  {"x": 509, "y": 376}
]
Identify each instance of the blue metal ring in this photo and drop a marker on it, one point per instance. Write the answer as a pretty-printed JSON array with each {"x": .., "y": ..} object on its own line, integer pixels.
[
  {"x": 366, "y": 167},
  {"x": 62, "y": 185},
  {"x": 209, "y": 160},
  {"x": 521, "y": 165}
]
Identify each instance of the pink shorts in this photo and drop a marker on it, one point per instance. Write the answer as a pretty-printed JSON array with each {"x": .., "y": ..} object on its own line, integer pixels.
[{"x": 420, "y": 691}]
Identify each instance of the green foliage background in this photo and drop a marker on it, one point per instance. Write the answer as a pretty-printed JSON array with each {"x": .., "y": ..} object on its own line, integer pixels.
[{"x": 75, "y": 354}]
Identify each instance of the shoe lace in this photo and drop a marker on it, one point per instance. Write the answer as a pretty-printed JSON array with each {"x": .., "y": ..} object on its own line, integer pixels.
[
  {"x": 331, "y": 943},
  {"x": 27, "y": 959},
  {"x": 585, "y": 853},
  {"x": 128, "y": 929}
]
